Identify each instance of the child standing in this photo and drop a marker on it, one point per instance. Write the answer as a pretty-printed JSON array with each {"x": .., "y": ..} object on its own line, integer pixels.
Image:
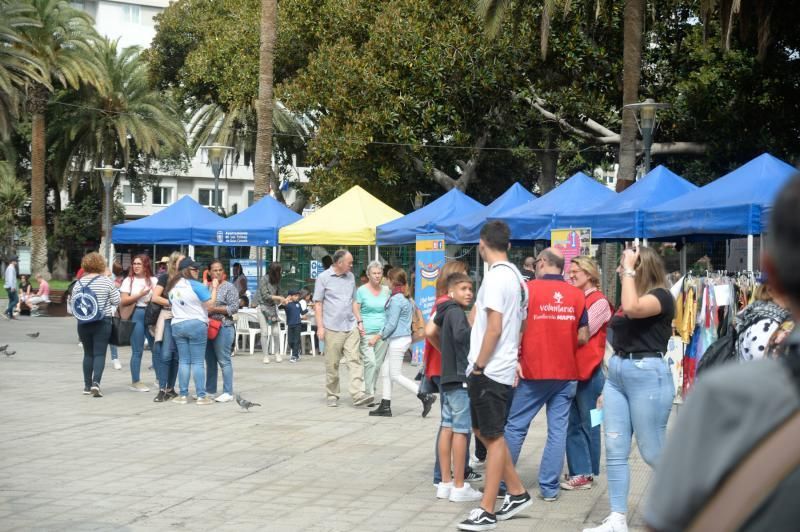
[
  {"x": 293, "y": 323},
  {"x": 452, "y": 331}
]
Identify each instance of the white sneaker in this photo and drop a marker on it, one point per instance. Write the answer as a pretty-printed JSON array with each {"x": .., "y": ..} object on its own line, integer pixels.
[
  {"x": 117, "y": 364},
  {"x": 266, "y": 359},
  {"x": 443, "y": 490},
  {"x": 224, "y": 398},
  {"x": 474, "y": 463},
  {"x": 465, "y": 493},
  {"x": 615, "y": 522}
]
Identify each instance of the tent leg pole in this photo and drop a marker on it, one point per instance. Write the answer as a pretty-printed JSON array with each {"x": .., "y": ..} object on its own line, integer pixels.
[
  {"x": 274, "y": 253},
  {"x": 750, "y": 253},
  {"x": 477, "y": 264},
  {"x": 644, "y": 242},
  {"x": 683, "y": 257},
  {"x": 278, "y": 256},
  {"x": 377, "y": 252},
  {"x": 191, "y": 250}
]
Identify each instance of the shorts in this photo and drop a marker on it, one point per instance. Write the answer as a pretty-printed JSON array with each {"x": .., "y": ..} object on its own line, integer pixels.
[
  {"x": 455, "y": 411},
  {"x": 488, "y": 401}
]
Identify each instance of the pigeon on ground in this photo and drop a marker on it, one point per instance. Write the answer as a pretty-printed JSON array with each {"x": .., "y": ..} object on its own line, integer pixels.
[
  {"x": 3, "y": 348},
  {"x": 244, "y": 403},
  {"x": 34, "y": 335},
  {"x": 10, "y": 353}
]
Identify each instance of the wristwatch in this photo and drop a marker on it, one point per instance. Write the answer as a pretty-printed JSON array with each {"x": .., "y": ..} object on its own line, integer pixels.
[
  {"x": 478, "y": 368},
  {"x": 629, "y": 273}
]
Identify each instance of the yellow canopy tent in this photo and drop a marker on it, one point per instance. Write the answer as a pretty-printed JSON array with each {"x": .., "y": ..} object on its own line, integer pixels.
[{"x": 349, "y": 220}]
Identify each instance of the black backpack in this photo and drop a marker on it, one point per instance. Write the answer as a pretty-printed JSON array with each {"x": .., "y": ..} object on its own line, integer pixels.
[{"x": 724, "y": 350}]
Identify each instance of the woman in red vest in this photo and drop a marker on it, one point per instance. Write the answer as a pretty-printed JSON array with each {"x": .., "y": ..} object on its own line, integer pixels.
[{"x": 583, "y": 440}]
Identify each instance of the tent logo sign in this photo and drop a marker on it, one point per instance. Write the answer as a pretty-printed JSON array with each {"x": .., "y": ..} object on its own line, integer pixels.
[{"x": 220, "y": 238}]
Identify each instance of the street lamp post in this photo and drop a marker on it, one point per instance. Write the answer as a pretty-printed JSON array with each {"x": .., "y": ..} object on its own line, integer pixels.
[
  {"x": 107, "y": 174},
  {"x": 645, "y": 113},
  {"x": 216, "y": 156}
]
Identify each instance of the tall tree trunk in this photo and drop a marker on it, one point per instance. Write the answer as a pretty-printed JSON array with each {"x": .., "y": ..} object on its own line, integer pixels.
[
  {"x": 549, "y": 161},
  {"x": 631, "y": 75},
  {"x": 263, "y": 175},
  {"x": 38, "y": 104}
]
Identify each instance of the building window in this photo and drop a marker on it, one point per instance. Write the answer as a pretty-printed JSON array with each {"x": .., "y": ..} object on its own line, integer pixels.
[
  {"x": 131, "y": 197},
  {"x": 162, "y": 195},
  {"x": 250, "y": 198},
  {"x": 131, "y": 14},
  {"x": 205, "y": 196}
]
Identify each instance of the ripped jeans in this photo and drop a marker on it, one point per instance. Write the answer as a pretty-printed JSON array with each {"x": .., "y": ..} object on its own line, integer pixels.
[{"x": 637, "y": 399}]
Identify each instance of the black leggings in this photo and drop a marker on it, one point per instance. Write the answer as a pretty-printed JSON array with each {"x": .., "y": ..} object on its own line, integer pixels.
[{"x": 94, "y": 336}]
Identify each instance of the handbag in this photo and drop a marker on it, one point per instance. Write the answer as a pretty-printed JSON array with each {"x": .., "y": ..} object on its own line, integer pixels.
[
  {"x": 121, "y": 331},
  {"x": 213, "y": 328},
  {"x": 151, "y": 313}
]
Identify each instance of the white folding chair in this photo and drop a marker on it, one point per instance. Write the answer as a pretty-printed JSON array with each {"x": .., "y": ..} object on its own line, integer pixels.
[
  {"x": 245, "y": 331},
  {"x": 309, "y": 333},
  {"x": 284, "y": 334}
]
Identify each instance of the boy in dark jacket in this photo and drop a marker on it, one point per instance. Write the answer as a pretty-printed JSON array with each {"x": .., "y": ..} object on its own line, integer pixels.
[
  {"x": 452, "y": 330},
  {"x": 293, "y": 324}
]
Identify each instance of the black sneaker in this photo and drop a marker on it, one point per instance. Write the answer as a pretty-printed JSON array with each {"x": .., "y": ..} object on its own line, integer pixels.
[
  {"x": 479, "y": 519},
  {"x": 87, "y": 391},
  {"x": 512, "y": 505},
  {"x": 172, "y": 394},
  {"x": 474, "y": 476},
  {"x": 161, "y": 397},
  {"x": 96, "y": 390},
  {"x": 427, "y": 402}
]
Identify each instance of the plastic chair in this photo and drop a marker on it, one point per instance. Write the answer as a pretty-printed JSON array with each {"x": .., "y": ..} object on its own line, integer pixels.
[
  {"x": 309, "y": 333},
  {"x": 244, "y": 330},
  {"x": 284, "y": 334}
]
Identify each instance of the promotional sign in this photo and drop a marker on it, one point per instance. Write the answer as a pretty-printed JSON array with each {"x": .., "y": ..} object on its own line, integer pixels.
[
  {"x": 233, "y": 237},
  {"x": 429, "y": 261},
  {"x": 571, "y": 242},
  {"x": 250, "y": 270},
  {"x": 316, "y": 268}
]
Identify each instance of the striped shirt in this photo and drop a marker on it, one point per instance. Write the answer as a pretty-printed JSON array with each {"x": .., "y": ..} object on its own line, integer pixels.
[
  {"x": 227, "y": 296},
  {"x": 599, "y": 313},
  {"x": 104, "y": 290}
]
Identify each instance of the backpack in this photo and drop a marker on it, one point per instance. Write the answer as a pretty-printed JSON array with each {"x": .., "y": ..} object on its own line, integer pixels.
[
  {"x": 85, "y": 306},
  {"x": 725, "y": 348},
  {"x": 417, "y": 323}
]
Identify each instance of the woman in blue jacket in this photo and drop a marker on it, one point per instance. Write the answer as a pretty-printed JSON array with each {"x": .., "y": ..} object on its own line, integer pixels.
[{"x": 397, "y": 332}]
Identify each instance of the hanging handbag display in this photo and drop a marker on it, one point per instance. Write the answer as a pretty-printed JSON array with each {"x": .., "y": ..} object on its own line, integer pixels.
[{"x": 213, "y": 328}]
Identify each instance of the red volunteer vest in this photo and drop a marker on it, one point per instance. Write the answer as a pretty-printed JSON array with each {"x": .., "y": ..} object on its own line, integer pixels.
[
  {"x": 550, "y": 339},
  {"x": 591, "y": 354}
]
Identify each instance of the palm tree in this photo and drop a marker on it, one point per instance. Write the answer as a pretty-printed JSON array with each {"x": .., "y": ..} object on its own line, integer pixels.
[
  {"x": 17, "y": 65},
  {"x": 12, "y": 196},
  {"x": 61, "y": 41},
  {"x": 264, "y": 177},
  {"x": 109, "y": 126}
]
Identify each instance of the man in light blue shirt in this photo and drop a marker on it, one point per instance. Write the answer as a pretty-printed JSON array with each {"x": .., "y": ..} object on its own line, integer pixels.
[
  {"x": 334, "y": 299},
  {"x": 10, "y": 284}
]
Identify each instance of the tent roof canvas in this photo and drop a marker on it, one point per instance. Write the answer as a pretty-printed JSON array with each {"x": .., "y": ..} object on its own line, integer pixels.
[
  {"x": 349, "y": 220},
  {"x": 427, "y": 219},
  {"x": 534, "y": 220},
  {"x": 257, "y": 225},
  {"x": 732, "y": 205},
  {"x": 173, "y": 225},
  {"x": 622, "y": 216},
  {"x": 466, "y": 229}
]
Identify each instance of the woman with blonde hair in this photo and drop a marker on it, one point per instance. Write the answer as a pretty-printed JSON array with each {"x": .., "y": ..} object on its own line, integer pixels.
[
  {"x": 397, "y": 331},
  {"x": 583, "y": 440},
  {"x": 637, "y": 396},
  {"x": 165, "y": 353}
]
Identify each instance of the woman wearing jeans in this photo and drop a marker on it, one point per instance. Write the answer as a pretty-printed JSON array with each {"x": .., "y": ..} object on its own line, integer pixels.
[
  {"x": 164, "y": 351},
  {"x": 638, "y": 393},
  {"x": 190, "y": 301},
  {"x": 583, "y": 440},
  {"x": 397, "y": 331},
  {"x": 137, "y": 289},
  {"x": 223, "y": 306},
  {"x": 96, "y": 334}
]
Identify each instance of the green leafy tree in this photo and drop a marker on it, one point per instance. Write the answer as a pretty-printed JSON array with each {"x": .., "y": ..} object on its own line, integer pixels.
[{"x": 12, "y": 197}]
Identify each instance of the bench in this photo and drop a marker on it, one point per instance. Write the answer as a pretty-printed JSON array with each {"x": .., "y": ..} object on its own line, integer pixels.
[{"x": 57, "y": 307}]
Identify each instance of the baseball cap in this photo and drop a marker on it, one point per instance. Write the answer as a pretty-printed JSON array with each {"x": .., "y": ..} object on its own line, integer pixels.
[{"x": 188, "y": 262}]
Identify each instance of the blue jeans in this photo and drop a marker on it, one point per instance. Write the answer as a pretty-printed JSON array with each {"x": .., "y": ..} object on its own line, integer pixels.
[
  {"x": 637, "y": 399},
  {"x": 137, "y": 344},
  {"x": 218, "y": 351},
  {"x": 94, "y": 337},
  {"x": 455, "y": 411},
  {"x": 529, "y": 397},
  {"x": 166, "y": 354},
  {"x": 13, "y": 299},
  {"x": 437, "y": 472},
  {"x": 583, "y": 440},
  {"x": 190, "y": 338},
  {"x": 114, "y": 352}
]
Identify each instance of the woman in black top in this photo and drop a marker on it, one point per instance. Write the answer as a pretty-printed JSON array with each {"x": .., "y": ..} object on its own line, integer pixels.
[{"x": 637, "y": 396}]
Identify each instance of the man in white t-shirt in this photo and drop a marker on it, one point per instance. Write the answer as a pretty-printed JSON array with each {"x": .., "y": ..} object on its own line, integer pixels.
[{"x": 498, "y": 317}]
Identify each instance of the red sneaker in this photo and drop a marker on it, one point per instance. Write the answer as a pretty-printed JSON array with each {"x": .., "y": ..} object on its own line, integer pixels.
[{"x": 578, "y": 482}]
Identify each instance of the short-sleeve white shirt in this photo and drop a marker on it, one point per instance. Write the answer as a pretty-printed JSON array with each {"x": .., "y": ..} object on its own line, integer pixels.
[{"x": 503, "y": 291}]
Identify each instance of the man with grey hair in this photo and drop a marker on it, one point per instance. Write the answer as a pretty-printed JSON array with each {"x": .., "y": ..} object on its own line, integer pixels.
[
  {"x": 334, "y": 299},
  {"x": 10, "y": 284}
]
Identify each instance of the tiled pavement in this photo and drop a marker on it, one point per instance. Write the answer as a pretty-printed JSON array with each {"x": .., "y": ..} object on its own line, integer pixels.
[{"x": 123, "y": 462}]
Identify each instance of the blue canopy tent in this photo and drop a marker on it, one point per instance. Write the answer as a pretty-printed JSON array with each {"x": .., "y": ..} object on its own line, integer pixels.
[
  {"x": 533, "y": 221},
  {"x": 428, "y": 219},
  {"x": 622, "y": 217},
  {"x": 732, "y": 205},
  {"x": 258, "y": 225},
  {"x": 173, "y": 225},
  {"x": 466, "y": 229}
]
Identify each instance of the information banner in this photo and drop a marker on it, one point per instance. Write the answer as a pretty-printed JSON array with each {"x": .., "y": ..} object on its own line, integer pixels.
[
  {"x": 250, "y": 270},
  {"x": 315, "y": 268},
  {"x": 429, "y": 261},
  {"x": 571, "y": 242}
]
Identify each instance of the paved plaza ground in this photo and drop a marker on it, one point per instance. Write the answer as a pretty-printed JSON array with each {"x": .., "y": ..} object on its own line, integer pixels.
[{"x": 123, "y": 462}]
